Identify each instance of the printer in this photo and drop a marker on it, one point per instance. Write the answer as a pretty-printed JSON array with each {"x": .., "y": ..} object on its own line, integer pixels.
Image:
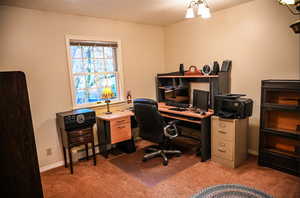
[{"x": 233, "y": 106}]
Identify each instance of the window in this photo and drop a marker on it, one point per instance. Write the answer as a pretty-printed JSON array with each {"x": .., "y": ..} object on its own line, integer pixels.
[{"x": 93, "y": 66}]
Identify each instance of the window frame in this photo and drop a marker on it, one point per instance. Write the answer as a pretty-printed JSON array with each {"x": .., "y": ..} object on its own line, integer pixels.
[{"x": 120, "y": 76}]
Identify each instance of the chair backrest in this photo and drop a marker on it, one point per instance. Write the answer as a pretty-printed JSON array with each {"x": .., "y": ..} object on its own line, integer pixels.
[{"x": 149, "y": 120}]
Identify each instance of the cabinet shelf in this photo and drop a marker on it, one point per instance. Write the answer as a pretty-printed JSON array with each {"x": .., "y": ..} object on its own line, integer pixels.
[
  {"x": 282, "y": 153},
  {"x": 170, "y": 88},
  {"x": 281, "y": 106},
  {"x": 282, "y": 132}
]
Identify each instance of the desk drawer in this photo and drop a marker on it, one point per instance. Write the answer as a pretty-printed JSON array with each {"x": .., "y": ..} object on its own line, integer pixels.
[
  {"x": 120, "y": 132},
  {"x": 224, "y": 130},
  {"x": 223, "y": 149},
  {"x": 81, "y": 139},
  {"x": 120, "y": 122},
  {"x": 224, "y": 135},
  {"x": 226, "y": 126}
]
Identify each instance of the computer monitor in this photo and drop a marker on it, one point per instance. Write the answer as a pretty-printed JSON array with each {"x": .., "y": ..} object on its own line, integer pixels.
[{"x": 200, "y": 99}]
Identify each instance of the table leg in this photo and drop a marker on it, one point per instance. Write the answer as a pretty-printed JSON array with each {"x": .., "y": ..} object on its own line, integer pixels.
[
  {"x": 65, "y": 157},
  {"x": 70, "y": 160},
  {"x": 94, "y": 153},
  {"x": 205, "y": 139},
  {"x": 87, "y": 151}
]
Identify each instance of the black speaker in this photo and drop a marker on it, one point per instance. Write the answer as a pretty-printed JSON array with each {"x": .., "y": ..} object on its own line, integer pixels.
[
  {"x": 216, "y": 68},
  {"x": 181, "y": 69},
  {"x": 226, "y": 66}
]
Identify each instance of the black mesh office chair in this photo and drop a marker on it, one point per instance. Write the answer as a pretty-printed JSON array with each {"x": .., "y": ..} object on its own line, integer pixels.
[{"x": 153, "y": 128}]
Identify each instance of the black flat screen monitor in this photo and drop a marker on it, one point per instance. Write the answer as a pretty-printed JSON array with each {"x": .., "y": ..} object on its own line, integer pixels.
[{"x": 200, "y": 99}]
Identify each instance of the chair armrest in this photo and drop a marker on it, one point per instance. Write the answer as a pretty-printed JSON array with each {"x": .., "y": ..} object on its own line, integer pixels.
[
  {"x": 171, "y": 127},
  {"x": 173, "y": 122}
]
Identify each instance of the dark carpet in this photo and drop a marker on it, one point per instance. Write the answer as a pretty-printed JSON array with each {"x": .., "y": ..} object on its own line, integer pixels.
[{"x": 152, "y": 171}]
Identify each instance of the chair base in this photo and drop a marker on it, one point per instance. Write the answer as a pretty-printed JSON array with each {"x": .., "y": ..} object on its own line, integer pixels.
[{"x": 158, "y": 152}]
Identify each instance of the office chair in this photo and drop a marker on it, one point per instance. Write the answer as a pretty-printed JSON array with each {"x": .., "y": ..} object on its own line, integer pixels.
[{"x": 155, "y": 129}]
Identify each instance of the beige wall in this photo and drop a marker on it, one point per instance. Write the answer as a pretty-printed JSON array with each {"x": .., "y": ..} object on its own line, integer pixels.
[
  {"x": 255, "y": 36},
  {"x": 34, "y": 42}
]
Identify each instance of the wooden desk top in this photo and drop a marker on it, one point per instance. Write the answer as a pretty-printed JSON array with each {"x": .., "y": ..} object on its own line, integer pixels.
[
  {"x": 115, "y": 115},
  {"x": 162, "y": 107}
]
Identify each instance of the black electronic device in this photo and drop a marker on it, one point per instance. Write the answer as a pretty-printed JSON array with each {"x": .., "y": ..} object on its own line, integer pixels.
[
  {"x": 176, "y": 104},
  {"x": 181, "y": 69},
  {"x": 226, "y": 66},
  {"x": 216, "y": 68},
  {"x": 200, "y": 100},
  {"x": 233, "y": 106},
  {"x": 77, "y": 119},
  {"x": 206, "y": 70}
]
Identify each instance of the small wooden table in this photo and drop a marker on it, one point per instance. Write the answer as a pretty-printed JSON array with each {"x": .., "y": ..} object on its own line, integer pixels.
[
  {"x": 75, "y": 138},
  {"x": 113, "y": 128}
]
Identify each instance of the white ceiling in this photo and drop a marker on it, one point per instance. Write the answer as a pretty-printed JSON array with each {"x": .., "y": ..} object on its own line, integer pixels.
[{"x": 156, "y": 12}]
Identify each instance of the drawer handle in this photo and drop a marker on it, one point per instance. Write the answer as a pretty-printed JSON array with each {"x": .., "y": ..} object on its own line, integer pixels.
[
  {"x": 222, "y": 144},
  {"x": 221, "y": 150},
  {"x": 222, "y": 125},
  {"x": 224, "y": 132},
  {"x": 121, "y": 127},
  {"x": 120, "y": 121}
]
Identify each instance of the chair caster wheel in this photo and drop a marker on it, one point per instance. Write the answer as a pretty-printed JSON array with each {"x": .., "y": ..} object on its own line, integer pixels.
[{"x": 165, "y": 163}]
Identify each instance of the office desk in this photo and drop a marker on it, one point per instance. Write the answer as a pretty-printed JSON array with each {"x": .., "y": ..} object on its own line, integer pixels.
[
  {"x": 203, "y": 121},
  {"x": 114, "y": 128}
]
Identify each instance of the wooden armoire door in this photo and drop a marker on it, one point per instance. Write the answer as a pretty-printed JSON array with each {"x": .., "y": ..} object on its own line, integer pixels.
[{"x": 19, "y": 170}]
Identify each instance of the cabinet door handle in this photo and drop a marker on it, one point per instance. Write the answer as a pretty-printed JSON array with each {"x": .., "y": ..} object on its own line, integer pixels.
[{"x": 221, "y": 150}]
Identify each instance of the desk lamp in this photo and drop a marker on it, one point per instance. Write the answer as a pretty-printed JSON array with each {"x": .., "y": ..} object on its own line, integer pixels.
[{"x": 107, "y": 94}]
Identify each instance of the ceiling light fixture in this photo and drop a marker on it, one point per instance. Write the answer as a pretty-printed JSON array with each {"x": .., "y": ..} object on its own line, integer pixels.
[
  {"x": 201, "y": 6},
  {"x": 294, "y": 7}
]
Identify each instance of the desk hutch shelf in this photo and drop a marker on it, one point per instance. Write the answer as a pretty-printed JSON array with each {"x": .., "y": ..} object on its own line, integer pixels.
[{"x": 170, "y": 84}]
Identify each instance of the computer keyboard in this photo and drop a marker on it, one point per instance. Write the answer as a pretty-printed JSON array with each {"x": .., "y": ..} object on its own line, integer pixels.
[
  {"x": 177, "y": 109},
  {"x": 176, "y": 104}
]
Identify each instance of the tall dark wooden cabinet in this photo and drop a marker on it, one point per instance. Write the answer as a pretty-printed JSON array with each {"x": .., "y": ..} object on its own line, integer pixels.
[
  {"x": 19, "y": 170},
  {"x": 280, "y": 125}
]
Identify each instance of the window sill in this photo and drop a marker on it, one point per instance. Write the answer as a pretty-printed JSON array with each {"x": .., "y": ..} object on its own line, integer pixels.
[{"x": 102, "y": 105}]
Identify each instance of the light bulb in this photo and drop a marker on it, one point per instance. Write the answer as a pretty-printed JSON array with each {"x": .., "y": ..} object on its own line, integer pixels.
[
  {"x": 201, "y": 8},
  {"x": 206, "y": 13},
  {"x": 190, "y": 13},
  {"x": 287, "y": 2}
]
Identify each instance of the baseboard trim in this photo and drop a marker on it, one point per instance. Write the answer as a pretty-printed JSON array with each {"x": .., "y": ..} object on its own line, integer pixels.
[
  {"x": 51, "y": 166},
  {"x": 253, "y": 152},
  {"x": 81, "y": 154}
]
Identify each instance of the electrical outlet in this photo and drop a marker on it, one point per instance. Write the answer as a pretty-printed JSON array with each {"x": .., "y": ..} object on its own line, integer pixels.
[{"x": 48, "y": 151}]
